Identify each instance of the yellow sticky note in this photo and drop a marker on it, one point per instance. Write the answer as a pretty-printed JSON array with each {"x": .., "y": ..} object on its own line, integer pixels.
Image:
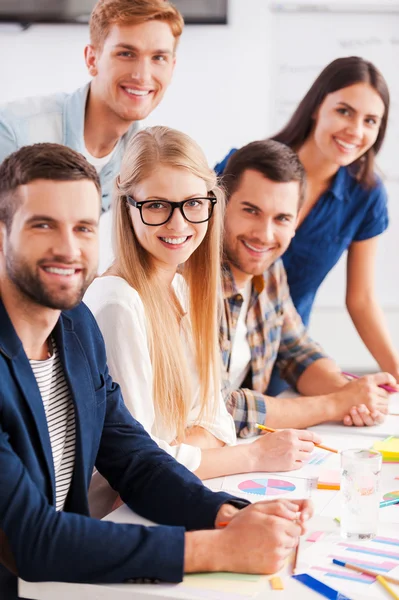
[
  {"x": 276, "y": 583},
  {"x": 389, "y": 448}
]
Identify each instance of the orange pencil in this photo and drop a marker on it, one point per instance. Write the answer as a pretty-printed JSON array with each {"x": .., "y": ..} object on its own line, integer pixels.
[{"x": 270, "y": 430}]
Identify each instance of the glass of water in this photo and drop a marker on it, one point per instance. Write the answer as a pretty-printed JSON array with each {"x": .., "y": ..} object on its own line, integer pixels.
[{"x": 360, "y": 498}]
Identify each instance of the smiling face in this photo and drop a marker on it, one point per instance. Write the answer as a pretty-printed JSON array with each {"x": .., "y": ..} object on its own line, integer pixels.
[
  {"x": 260, "y": 221},
  {"x": 347, "y": 123},
  {"x": 133, "y": 68},
  {"x": 171, "y": 244},
  {"x": 50, "y": 253}
]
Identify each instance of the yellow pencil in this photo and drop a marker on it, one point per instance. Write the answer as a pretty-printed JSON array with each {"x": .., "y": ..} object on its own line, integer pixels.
[
  {"x": 386, "y": 586},
  {"x": 270, "y": 430}
]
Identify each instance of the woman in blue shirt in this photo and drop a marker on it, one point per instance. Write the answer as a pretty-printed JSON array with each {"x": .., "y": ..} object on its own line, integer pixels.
[{"x": 337, "y": 130}]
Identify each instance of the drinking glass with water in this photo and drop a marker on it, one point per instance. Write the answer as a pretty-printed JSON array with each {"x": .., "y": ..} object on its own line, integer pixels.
[{"x": 360, "y": 498}]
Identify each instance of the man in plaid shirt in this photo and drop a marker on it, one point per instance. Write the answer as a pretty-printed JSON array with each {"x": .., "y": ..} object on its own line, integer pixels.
[{"x": 260, "y": 327}]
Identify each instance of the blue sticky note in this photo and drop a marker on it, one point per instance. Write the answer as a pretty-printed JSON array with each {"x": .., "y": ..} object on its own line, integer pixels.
[{"x": 320, "y": 587}]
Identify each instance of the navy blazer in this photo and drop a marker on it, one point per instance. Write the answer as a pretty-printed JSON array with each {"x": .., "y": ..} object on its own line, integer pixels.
[{"x": 68, "y": 546}]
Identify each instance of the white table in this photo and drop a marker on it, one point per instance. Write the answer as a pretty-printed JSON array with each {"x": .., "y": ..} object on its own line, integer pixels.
[
  {"x": 333, "y": 435},
  {"x": 69, "y": 591}
]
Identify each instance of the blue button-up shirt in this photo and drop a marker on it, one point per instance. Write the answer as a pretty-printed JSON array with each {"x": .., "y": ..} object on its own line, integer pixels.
[
  {"x": 58, "y": 118},
  {"x": 347, "y": 212}
]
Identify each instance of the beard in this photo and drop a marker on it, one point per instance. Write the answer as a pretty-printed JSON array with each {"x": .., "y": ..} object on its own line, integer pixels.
[{"x": 27, "y": 280}]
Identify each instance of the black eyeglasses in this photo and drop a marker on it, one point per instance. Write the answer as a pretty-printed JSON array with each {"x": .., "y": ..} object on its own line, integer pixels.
[{"x": 158, "y": 212}]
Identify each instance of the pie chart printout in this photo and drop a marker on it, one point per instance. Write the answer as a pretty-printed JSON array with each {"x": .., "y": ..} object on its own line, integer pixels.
[{"x": 266, "y": 486}]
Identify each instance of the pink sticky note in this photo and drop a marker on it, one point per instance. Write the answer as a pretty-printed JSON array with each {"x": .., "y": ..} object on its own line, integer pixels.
[{"x": 315, "y": 536}]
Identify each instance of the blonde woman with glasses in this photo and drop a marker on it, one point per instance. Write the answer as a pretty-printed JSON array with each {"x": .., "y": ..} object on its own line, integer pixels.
[{"x": 157, "y": 307}]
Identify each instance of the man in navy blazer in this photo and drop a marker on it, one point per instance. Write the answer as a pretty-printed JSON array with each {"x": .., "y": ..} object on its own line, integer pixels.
[{"x": 49, "y": 212}]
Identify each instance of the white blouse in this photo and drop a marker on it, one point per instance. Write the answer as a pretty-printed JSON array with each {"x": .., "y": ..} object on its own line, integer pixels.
[{"x": 120, "y": 315}]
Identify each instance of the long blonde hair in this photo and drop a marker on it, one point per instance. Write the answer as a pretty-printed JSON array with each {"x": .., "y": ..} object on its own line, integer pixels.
[{"x": 172, "y": 388}]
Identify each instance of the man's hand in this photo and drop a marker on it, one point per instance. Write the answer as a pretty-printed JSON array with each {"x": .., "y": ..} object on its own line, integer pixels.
[
  {"x": 226, "y": 513},
  {"x": 262, "y": 535},
  {"x": 284, "y": 450},
  {"x": 258, "y": 539},
  {"x": 361, "y": 402},
  {"x": 360, "y": 416}
]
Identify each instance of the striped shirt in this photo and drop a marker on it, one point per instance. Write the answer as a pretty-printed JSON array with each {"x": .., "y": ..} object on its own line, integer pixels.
[
  {"x": 60, "y": 416},
  {"x": 276, "y": 335}
]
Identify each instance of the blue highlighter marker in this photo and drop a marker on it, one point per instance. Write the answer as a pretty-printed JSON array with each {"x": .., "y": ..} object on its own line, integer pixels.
[
  {"x": 389, "y": 502},
  {"x": 319, "y": 587}
]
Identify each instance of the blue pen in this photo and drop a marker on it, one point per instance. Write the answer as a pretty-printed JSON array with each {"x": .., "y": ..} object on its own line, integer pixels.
[{"x": 319, "y": 587}]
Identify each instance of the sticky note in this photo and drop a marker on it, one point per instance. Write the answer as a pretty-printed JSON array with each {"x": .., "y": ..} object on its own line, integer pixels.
[
  {"x": 315, "y": 536},
  {"x": 329, "y": 479},
  {"x": 276, "y": 583},
  {"x": 389, "y": 449}
]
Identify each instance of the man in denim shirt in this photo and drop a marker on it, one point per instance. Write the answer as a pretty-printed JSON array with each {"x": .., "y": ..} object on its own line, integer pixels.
[{"x": 131, "y": 57}]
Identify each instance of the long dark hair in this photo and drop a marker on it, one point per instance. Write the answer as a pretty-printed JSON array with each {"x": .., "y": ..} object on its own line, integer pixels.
[{"x": 339, "y": 74}]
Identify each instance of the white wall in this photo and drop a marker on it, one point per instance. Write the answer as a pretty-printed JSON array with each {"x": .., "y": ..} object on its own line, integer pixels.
[
  {"x": 221, "y": 95},
  {"x": 220, "y": 91}
]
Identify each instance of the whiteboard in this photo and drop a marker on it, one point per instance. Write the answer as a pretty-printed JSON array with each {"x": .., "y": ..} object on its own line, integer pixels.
[{"x": 304, "y": 42}]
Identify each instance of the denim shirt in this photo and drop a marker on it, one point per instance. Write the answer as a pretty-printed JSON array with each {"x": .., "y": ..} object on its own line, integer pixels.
[{"x": 58, "y": 118}]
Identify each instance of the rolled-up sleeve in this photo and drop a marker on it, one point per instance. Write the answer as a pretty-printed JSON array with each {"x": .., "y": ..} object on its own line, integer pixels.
[
  {"x": 247, "y": 408},
  {"x": 218, "y": 422}
]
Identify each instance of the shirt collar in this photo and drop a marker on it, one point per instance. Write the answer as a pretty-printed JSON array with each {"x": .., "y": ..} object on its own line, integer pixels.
[
  {"x": 340, "y": 184},
  {"x": 229, "y": 285},
  {"x": 74, "y": 121},
  {"x": 74, "y": 116}
]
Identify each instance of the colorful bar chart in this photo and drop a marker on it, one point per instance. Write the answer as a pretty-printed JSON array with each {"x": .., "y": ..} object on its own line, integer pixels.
[
  {"x": 348, "y": 575},
  {"x": 383, "y": 567},
  {"x": 386, "y": 540},
  {"x": 318, "y": 458},
  {"x": 380, "y": 555},
  {"x": 371, "y": 551}
]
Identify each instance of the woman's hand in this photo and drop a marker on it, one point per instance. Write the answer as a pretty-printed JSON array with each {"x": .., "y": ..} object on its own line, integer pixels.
[{"x": 283, "y": 450}]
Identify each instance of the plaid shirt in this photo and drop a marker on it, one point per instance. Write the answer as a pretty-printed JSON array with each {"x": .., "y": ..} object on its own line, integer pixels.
[{"x": 276, "y": 335}]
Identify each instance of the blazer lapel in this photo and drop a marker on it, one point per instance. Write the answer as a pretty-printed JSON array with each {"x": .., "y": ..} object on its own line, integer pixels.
[
  {"x": 77, "y": 374},
  {"x": 11, "y": 346}
]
